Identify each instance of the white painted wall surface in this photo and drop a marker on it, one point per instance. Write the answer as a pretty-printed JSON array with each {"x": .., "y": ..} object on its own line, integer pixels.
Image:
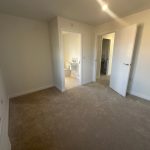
[
  {"x": 111, "y": 37},
  {"x": 25, "y": 54},
  {"x": 139, "y": 80},
  {"x": 26, "y": 59},
  {"x": 4, "y": 112},
  {"x": 71, "y": 46},
  {"x": 87, "y": 33},
  {"x": 72, "y": 50},
  {"x": 56, "y": 53}
]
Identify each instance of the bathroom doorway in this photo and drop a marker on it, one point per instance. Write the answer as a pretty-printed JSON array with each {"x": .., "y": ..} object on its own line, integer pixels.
[{"x": 71, "y": 43}]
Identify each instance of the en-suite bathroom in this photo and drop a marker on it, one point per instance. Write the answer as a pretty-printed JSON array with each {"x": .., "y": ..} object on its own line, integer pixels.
[{"x": 72, "y": 59}]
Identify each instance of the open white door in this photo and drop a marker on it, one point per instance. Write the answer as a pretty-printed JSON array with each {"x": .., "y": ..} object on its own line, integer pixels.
[{"x": 122, "y": 59}]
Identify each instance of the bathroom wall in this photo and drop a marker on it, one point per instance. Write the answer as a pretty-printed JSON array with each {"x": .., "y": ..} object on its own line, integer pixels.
[
  {"x": 72, "y": 50},
  {"x": 71, "y": 46}
]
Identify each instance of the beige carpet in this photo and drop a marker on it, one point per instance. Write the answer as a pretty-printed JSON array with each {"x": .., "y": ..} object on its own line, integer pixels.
[{"x": 90, "y": 117}]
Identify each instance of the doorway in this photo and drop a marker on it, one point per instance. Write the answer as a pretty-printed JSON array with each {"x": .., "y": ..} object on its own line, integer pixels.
[
  {"x": 105, "y": 58},
  {"x": 71, "y": 43},
  {"x": 120, "y": 59}
]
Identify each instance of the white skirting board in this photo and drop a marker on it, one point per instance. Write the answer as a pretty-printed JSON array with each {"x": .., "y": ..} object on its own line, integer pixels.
[
  {"x": 30, "y": 91},
  {"x": 146, "y": 97}
]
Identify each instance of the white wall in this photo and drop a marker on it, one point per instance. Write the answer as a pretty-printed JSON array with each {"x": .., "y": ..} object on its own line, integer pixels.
[
  {"x": 111, "y": 37},
  {"x": 4, "y": 113},
  {"x": 25, "y": 54},
  {"x": 71, "y": 46},
  {"x": 72, "y": 50},
  {"x": 87, "y": 33},
  {"x": 56, "y": 53},
  {"x": 139, "y": 80}
]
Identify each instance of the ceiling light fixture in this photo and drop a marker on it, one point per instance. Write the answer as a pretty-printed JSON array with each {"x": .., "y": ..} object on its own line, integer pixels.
[
  {"x": 104, "y": 4},
  {"x": 104, "y": 7}
]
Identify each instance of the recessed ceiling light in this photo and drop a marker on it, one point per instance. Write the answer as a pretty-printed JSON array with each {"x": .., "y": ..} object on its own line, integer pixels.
[{"x": 104, "y": 7}]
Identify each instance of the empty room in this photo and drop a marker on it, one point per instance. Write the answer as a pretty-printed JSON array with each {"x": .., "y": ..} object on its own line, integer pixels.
[{"x": 74, "y": 75}]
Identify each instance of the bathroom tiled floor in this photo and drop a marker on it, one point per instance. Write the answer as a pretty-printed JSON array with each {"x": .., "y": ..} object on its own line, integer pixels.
[{"x": 71, "y": 82}]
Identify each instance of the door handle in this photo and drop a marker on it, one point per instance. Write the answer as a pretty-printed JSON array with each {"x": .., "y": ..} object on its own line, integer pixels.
[{"x": 126, "y": 64}]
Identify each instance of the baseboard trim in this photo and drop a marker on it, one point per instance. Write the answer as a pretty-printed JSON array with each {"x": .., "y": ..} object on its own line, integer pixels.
[
  {"x": 139, "y": 95},
  {"x": 30, "y": 91}
]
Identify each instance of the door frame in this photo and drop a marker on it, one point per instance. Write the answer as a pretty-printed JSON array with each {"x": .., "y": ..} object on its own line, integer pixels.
[
  {"x": 62, "y": 57},
  {"x": 98, "y": 53}
]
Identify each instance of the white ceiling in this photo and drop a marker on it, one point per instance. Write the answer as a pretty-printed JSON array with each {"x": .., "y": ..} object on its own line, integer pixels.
[{"x": 87, "y": 11}]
